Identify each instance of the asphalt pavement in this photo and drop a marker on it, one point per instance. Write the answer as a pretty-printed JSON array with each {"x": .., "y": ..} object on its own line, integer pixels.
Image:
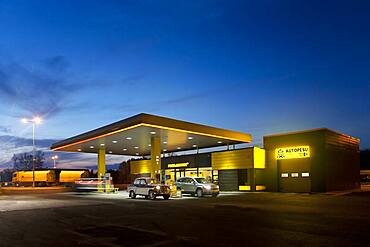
[{"x": 232, "y": 219}]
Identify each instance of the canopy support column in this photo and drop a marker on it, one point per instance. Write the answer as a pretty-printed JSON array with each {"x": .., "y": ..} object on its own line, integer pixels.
[
  {"x": 155, "y": 155},
  {"x": 101, "y": 163}
]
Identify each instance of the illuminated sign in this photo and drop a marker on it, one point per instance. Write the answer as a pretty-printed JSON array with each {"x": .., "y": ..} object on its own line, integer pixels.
[
  {"x": 178, "y": 165},
  {"x": 293, "y": 152}
]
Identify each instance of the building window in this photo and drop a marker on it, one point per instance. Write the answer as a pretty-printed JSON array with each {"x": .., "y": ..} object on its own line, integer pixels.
[
  {"x": 285, "y": 175},
  {"x": 305, "y": 174},
  {"x": 295, "y": 174}
]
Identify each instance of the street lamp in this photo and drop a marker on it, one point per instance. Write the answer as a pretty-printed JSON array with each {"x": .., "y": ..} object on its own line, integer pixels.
[
  {"x": 54, "y": 158},
  {"x": 33, "y": 121}
]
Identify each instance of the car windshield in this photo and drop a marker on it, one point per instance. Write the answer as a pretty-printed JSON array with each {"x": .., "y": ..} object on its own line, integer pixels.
[
  {"x": 201, "y": 180},
  {"x": 151, "y": 181}
]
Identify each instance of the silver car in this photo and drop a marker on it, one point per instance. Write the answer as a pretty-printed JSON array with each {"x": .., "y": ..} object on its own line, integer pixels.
[{"x": 197, "y": 186}]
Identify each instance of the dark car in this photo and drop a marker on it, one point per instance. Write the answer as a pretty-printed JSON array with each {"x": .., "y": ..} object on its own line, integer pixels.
[{"x": 149, "y": 188}]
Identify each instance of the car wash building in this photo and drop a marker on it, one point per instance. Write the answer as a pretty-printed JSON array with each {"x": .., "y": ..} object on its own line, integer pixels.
[
  {"x": 315, "y": 160},
  {"x": 167, "y": 149}
]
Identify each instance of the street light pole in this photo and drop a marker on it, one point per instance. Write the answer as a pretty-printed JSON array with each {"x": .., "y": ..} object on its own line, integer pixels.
[
  {"x": 34, "y": 121},
  {"x": 54, "y": 158},
  {"x": 33, "y": 154}
]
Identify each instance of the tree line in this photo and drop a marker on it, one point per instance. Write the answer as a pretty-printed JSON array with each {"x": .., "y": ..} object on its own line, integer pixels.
[{"x": 23, "y": 162}]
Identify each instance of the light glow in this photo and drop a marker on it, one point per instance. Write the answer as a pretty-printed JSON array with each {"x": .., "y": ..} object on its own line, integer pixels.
[
  {"x": 207, "y": 187},
  {"x": 37, "y": 120},
  {"x": 175, "y": 165},
  {"x": 294, "y": 174},
  {"x": 244, "y": 187}
]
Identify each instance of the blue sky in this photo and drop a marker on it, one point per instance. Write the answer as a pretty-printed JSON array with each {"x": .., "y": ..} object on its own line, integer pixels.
[{"x": 260, "y": 67}]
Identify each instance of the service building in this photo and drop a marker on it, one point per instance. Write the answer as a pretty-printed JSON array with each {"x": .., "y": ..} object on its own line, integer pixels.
[{"x": 305, "y": 161}]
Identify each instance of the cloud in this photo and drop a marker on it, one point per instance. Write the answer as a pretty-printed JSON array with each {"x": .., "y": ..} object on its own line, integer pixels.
[
  {"x": 5, "y": 129},
  {"x": 50, "y": 88},
  {"x": 183, "y": 99},
  {"x": 86, "y": 161},
  {"x": 10, "y": 145},
  {"x": 37, "y": 91},
  {"x": 156, "y": 105}
]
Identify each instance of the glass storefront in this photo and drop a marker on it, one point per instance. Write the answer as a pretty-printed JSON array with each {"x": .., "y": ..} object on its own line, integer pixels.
[{"x": 205, "y": 172}]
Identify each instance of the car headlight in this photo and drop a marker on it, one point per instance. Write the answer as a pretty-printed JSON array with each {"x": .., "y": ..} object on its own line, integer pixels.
[
  {"x": 171, "y": 187},
  {"x": 217, "y": 186},
  {"x": 207, "y": 187},
  {"x": 158, "y": 187}
]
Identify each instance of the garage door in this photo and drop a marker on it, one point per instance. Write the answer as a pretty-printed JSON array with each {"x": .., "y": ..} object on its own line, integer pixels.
[
  {"x": 295, "y": 175},
  {"x": 228, "y": 180}
]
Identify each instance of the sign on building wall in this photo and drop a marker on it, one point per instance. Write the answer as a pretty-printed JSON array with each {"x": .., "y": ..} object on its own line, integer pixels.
[
  {"x": 293, "y": 152},
  {"x": 176, "y": 165}
]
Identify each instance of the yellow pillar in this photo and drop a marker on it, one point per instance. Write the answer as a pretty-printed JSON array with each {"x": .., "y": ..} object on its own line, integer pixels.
[
  {"x": 155, "y": 157},
  {"x": 101, "y": 163},
  {"x": 252, "y": 178}
]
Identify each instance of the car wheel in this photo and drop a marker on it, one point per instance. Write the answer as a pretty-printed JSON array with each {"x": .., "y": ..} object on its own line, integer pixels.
[
  {"x": 151, "y": 195},
  {"x": 132, "y": 194},
  {"x": 199, "y": 192},
  {"x": 214, "y": 195},
  {"x": 166, "y": 197}
]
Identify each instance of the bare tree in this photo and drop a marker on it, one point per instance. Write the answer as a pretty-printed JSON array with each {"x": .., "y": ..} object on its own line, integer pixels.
[
  {"x": 23, "y": 161},
  {"x": 6, "y": 175}
]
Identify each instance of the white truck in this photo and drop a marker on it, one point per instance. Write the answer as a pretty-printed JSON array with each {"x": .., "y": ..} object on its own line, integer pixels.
[{"x": 148, "y": 188}]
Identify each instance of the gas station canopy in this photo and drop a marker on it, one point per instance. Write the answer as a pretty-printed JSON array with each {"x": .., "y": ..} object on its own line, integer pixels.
[{"x": 132, "y": 136}]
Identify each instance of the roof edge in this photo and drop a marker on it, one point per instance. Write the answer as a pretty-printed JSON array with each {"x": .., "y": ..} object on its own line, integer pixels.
[
  {"x": 144, "y": 118},
  {"x": 308, "y": 131}
]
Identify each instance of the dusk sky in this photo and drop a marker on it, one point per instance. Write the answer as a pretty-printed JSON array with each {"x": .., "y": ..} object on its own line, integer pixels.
[{"x": 260, "y": 67}]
